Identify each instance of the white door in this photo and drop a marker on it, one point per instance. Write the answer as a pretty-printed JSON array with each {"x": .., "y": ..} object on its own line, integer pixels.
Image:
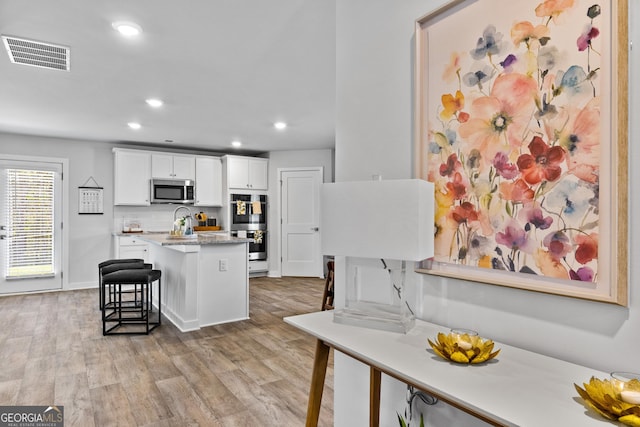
[
  {"x": 30, "y": 226},
  {"x": 300, "y": 213}
]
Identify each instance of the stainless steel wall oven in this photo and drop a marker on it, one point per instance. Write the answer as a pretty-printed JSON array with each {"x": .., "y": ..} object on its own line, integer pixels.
[
  {"x": 258, "y": 245},
  {"x": 248, "y": 212},
  {"x": 249, "y": 218}
]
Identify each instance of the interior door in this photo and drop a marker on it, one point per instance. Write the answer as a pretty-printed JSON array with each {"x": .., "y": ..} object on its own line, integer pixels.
[
  {"x": 30, "y": 226},
  {"x": 300, "y": 222}
]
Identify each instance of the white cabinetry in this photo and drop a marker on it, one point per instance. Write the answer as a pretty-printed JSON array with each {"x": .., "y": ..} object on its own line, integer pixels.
[
  {"x": 171, "y": 166},
  {"x": 247, "y": 173},
  {"x": 131, "y": 247},
  {"x": 258, "y": 267},
  {"x": 208, "y": 181},
  {"x": 132, "y": 172}
]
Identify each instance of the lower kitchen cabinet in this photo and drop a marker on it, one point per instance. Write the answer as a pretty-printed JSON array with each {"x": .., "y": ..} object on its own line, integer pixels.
[
  {"x": 203, "y": 283},
  {"x": 256, "y": 267},
  {"x": 131, "y": 247}
]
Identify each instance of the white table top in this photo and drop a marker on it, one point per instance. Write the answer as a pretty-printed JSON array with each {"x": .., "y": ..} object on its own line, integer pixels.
[{"x": 518, "y": 388}]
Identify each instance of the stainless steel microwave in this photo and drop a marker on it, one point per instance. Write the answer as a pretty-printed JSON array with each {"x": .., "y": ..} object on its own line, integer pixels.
[{"x": 172, "y": 191}]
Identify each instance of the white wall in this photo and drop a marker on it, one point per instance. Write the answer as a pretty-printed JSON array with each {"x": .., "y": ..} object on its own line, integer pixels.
[
  {"x": 90, "y": 238},
  {"x": 289, "y": 159},
  {"x": 89, "y": 235},
  {"x": 374, "y": 101}
]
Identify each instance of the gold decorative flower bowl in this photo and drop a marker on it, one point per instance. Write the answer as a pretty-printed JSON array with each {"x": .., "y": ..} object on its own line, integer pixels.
[
  {"x": 463, "y": 346},
  {"x": 614, "y": 399}
]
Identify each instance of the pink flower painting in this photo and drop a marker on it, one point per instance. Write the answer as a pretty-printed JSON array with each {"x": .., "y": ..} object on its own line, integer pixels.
[{"x": 514, "y": 143}]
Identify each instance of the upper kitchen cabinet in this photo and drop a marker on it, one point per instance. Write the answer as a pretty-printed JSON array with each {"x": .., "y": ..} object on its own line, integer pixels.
[
  {"x": 132, "y": 174},
  {"x": 208, "y": 181},
  {"x": 247, "y": 173},
  {"x": 173, "y": 166}
]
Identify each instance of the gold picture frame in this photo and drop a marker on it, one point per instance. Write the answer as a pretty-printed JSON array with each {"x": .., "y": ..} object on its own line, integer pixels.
[{"x": 522, "y": 124}]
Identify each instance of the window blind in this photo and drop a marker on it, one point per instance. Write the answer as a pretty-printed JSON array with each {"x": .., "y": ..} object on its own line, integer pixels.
[{"x": 30, "y": 223}]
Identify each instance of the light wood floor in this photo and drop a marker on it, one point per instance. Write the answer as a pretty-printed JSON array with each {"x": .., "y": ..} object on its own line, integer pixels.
[{"x": 249, "y": 373}]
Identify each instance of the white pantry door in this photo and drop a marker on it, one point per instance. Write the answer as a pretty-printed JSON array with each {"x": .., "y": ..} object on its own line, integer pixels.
[
  {"x": 30, "y": 226},
  {"x": 300, "y": 214}
]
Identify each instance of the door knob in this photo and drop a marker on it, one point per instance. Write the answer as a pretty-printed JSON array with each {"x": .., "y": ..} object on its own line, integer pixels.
[{"x": 315, "y": 228}]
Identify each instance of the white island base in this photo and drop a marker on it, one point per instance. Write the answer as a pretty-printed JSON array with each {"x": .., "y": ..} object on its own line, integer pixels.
[{"x": 204, "y": 282}]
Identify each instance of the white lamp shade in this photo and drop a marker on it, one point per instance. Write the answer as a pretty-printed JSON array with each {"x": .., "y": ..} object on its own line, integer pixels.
[{"x": 390, "y": 219}]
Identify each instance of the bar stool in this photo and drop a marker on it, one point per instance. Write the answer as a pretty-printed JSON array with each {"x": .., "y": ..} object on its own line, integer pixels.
[
  {"x": 121, "y": 312},
  {"x": 134, "y": 262},
  {"x": 327, "y": 294},
  {"x": 127, "y": 289}
]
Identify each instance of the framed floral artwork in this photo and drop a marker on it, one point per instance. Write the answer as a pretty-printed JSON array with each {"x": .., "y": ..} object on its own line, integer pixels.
[{"x": 521, "y": 124}]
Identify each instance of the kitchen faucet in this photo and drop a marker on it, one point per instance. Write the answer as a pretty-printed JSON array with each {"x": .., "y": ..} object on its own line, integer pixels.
[{"x": 189, "y": 217}]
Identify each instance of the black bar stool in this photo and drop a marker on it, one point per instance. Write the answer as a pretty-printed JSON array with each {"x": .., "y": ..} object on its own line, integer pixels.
[
  {"x": 127, "y": 289},
  {"x": 139, "y": 311},
  {"x": 135, "y": 263},
  {"x": 327, "y": 294}
]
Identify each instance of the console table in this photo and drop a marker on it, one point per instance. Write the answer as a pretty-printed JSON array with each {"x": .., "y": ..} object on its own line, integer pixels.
[{"x": 518, "y": 388}]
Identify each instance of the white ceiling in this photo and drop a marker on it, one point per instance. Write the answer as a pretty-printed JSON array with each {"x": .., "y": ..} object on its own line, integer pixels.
[{"x": 226, "y": 69}]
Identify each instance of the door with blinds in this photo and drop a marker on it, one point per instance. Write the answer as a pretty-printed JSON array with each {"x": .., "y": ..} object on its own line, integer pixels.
[{"x": 30, "y": 226}]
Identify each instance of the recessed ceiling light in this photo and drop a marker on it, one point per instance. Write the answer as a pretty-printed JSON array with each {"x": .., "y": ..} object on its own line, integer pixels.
[
  {"x": 280, "y": 125},
  {"x": 236, "y": 143},
  {"x": 154, "y": 102},
  {"x": 134, "y": 125},
  {"x": 127, "y": 29}
]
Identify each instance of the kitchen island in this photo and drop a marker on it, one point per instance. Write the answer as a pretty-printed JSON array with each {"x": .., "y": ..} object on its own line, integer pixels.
[{"x": 205, "y": 279}]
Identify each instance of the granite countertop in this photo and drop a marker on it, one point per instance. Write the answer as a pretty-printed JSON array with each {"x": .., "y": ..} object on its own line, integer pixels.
[{"x": 207, "y": 238}]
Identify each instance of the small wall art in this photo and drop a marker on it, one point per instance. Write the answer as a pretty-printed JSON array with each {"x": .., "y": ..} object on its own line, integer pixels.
[{"x": 90, "y": 198}]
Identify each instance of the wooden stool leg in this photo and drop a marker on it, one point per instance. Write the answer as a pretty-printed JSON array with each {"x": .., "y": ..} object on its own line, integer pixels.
[
  {"x": 159, "y": 301},
  {"x": 374, "y": 397},
  {"x": 317, "y": 383},
  {"x": 327, "y": 295}
]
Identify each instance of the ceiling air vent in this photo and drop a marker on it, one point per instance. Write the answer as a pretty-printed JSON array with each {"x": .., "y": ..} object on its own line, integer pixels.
[{"x": 37, "y": 54}]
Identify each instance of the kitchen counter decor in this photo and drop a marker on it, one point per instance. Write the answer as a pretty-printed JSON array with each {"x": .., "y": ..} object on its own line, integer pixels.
[
  {"x": 463, "y": 346},
  {"x": 617, "y": 398}
]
